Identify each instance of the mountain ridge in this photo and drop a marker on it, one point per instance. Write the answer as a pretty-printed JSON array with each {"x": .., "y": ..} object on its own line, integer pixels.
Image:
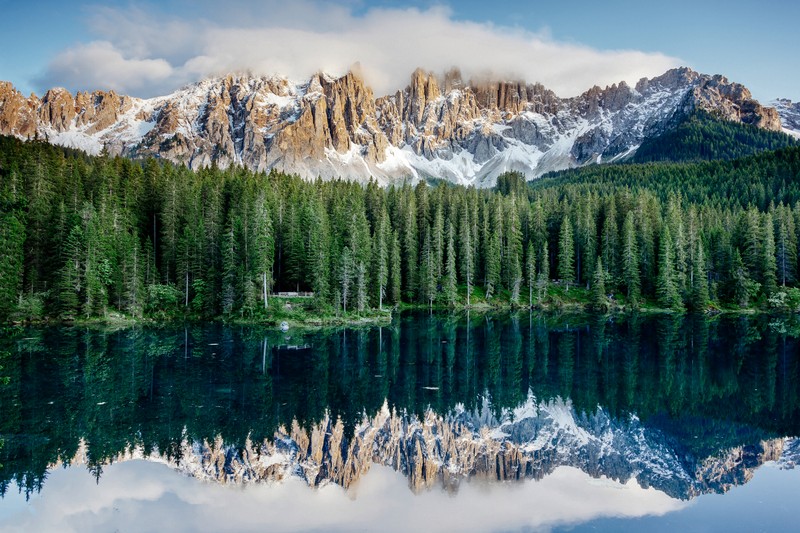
[
  {"x": 445, "y": 450},
  {"x": 444, "y": 127}
]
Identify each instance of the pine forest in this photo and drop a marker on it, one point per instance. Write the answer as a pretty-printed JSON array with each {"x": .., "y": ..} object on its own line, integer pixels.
[{"x": 86, "y": 237}]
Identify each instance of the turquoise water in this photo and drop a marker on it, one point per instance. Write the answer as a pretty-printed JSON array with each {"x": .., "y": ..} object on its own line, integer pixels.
[{"x": 611, "y": 424}]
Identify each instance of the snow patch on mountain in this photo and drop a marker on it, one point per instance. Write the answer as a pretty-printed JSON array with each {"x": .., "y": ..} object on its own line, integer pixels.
[
  {"x": 790, "y": 116},
  {"x": 443, "y": 128}
]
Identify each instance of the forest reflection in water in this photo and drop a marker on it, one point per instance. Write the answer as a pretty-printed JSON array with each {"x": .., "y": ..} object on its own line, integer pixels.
[{"x": 705, "y": 385}]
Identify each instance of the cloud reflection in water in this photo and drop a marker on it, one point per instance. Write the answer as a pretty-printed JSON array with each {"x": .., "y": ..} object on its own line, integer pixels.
[{"x": 145, "y": 496}]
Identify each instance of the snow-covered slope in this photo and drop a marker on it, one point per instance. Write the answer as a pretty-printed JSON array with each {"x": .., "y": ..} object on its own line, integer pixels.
[
  {"x": 441, "y": 127},
  {"x": 790, "y": 115}
]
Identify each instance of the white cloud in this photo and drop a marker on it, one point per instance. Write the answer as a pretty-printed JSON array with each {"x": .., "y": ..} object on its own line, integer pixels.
[
  {"x": 102, "y": 65},
  {"x": 147, "y": 53},
  {"x": 143, "y": 496}
]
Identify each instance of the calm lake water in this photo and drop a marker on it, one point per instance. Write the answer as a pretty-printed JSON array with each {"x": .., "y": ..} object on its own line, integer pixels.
[{"x": 498, "y": 422}]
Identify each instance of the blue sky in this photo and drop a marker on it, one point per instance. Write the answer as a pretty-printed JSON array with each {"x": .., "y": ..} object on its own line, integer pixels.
[{"x": 147, "y": 47}]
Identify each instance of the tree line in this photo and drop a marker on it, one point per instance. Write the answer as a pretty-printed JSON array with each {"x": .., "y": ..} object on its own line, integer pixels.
[
  {"x": 88, "y": 236},
  {"x": 702, "y": 136}
]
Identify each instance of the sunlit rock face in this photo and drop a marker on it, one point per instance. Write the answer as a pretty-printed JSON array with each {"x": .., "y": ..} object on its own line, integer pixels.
[
  {"x": 439, "y": 126},
  {"x": 529, "y": 442}
]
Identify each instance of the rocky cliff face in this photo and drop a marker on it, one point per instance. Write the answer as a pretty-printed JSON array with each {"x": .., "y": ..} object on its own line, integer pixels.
[
  {"x": 444, "y": 450},
  {"x": 465, "y": 131}
]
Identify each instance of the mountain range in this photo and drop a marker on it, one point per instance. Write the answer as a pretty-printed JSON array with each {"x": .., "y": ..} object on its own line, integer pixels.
[
  {"x": 438, "y": 127},
  {"x": 529, "y": 442}
]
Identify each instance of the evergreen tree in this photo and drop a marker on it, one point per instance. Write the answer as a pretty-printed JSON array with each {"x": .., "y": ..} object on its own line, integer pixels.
[
  {"x": 381, "y": 257},
  {"x": 630, "y": 260},
  {"x": 530, "y": 269},
  {"x": 467, "y": 253},
  {"x": 151, "y": 275},
  {"x": 493, "y": 251},
  {"x": 538, "y": 227},
  {"x": 38, "y": 191},
  {"x": 786, "y": 244},
  {"x": 171, "y": 207},
  {"x": 133, "y": 275},
  {"x": 97, "y": 267},
  {"x": 566, "y": 253},
  {"x": 319, "y": 247},
  {"x": 675, "y": 222},
  {"x": 264, "y": 246},
  {"x": 410, "y": 248},
  {"x": 229, "y": 266},
  {"x": 586, "y": 241},
  {"x": 512, "y": 259},
  {"x": 544, "y": 273},
  {"x": 361, "y": 287},
  {"x": 71, "y": 276},
  {"x": 12, "y": 238},
  {"x": 395, "y": 275},
  {"x": 599, "y": 300},
  {"x": 610, "y": 244},
  {"x": 294, "y": 249},
  {"x": 768, "y": 262},
  {"x": 645, "y": 242},
  {"x": 666, "y": 289},
  {"x": 345, "y": 276},
  {"x": 360, "y": 240},
  {"x": 698, "y": 300},
  {"x": 751, "y": 239},
  {"x": 743, "y": 286},
  {"x": 427, "y": 272},
  {"x": 681, "y": 260},
  {"x": 438, "y": 244},
  {"x": 451, "y": 276}
]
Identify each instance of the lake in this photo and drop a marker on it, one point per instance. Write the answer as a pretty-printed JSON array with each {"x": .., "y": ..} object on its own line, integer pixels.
[{"x": 468, "y": 422}]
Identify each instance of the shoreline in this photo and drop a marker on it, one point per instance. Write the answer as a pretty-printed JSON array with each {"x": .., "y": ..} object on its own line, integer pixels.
[{"x": 311, "y": 321}]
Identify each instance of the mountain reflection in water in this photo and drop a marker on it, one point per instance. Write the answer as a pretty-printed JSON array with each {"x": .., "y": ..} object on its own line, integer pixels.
[{"x": 682, "y": 404}]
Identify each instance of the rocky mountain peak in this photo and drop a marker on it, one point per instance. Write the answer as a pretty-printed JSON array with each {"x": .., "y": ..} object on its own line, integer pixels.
[
  {"x": 453, "y": 81},
  {"x": 439, "y": 126},
  {"x": 17, "y": 113}
]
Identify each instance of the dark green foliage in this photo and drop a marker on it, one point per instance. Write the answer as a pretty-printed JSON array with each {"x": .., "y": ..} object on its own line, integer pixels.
[
  {"x": 768, "y": 262},
  {"x": 450, "y": 282},
  {"x": 757, "y": 181},
  {"x": 492, "y": 248},
  {"x": 666, "y": 286},
  {"x": 630, "y": 260},
  {"x": 381, "y": 251},
  {"x": 698, "y": 298},
  {"x": 703, "y": 137},
  {"x": 395, "y": 271},
  {"x": 427, "y": 271},
  {"x": 599, "y": 299},
  {"x": 467, "y": 253},
  {"x": 566, "y": 253},
  {"x": 12, "y": 239},
  {"x": 743, "y": 288},
  {"x": 530, "y": 272},
  {"x": 544, "y": 274},
  {"x": 86, "y": 237},
  {"x": 510, "y": 183}
]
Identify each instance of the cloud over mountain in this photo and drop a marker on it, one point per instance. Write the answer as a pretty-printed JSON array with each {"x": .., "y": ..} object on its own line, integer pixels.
[{"x": 144, "y": 52}]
